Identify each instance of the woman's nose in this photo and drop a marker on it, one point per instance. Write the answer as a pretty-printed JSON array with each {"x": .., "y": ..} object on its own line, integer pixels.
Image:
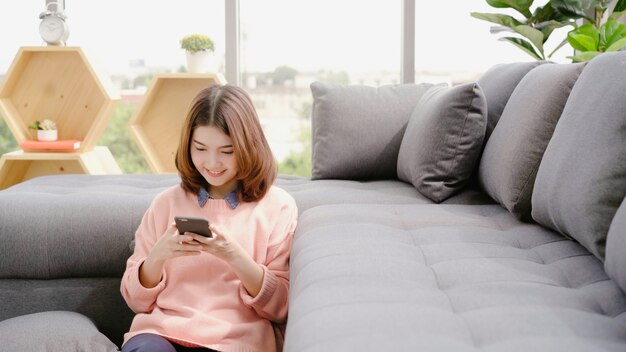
[{"x": 212, "y": 160}]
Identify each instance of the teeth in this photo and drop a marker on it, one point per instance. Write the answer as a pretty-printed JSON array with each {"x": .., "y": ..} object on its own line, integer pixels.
[{"x": 214, "y": 173}]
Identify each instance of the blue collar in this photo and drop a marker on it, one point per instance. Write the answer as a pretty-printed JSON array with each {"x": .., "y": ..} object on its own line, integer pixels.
[{"x": 232, "y": 198}]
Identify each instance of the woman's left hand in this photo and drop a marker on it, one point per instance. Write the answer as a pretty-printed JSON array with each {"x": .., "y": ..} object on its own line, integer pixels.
[{"x": 221, "y": 245}]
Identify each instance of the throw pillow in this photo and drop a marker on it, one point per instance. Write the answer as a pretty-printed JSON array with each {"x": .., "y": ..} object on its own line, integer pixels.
[
  {"x": 53, "y": 331},
  {"x": 443, "y": 140},
  {"x": 498, "y": 84},
  {"x": 581, "y": 180},
  {"x": 357, "y": 130},
  {"x": 509, "y": 163},
  {"x": 615, "y": 263}
]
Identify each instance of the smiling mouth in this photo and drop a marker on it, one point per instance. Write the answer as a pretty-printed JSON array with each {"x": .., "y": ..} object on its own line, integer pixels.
[{"x": 215, "y": 173}]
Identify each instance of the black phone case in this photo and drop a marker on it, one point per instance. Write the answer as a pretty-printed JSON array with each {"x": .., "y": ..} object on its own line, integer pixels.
[{"x": 192, "y": 224}]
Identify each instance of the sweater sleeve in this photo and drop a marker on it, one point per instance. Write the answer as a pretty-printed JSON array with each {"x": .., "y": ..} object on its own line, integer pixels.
[
  {"x": 139, "y": 298},
  {"x": 272, "y": 301}
]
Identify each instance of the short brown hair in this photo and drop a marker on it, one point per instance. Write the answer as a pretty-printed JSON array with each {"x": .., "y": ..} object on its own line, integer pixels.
[{"x": 230, "y": 109}]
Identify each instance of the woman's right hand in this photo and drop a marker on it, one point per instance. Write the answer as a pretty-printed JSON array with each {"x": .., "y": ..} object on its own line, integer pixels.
[{"x": 170, "y": 245}]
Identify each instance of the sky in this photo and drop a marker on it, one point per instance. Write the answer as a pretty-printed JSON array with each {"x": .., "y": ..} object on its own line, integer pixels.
[{"x": 309, "y": 35}]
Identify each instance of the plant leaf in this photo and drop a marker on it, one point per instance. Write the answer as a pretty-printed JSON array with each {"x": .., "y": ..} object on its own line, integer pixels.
[
  {"x": 584, "y": 38},
  {"x": 547, "y": 13},
  {"x": 574, "y": 8},
  {"x": 500, "y": 29},
  {"x": 544, "y": 13},
  {"x": 534, "y": 35},
  {"x": 521, "y": 6},
  {"x": 617, "y": 45},
  {"x": 503, "y": 20},
  {"x": 547, "y": 27},
  {"x": 610, "y": 32},
  {"x": 582, "y": 42},
  {"x": 524, "y": 45},
  {"x": 620, "y": 6},
  {"x": 586, "y": 56}
]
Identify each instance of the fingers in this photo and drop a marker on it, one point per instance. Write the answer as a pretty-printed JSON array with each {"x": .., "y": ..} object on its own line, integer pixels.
[
  {"x": 184, "y": 242},
  {"x": 179, "y": 249},
  {"x": 200, "y": 238},
  {"x": 186, "y": 237},
  {"x": 217, "y": 230},
  {"x": 188, "y": 248}
]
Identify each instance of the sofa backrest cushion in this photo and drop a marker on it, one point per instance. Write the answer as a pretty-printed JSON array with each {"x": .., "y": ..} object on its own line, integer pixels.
[
  {"x": 509, "y": 163},
  {"x": 443, "y": 140},
  {"x": 582, "y": 178},
  {"x": 498, "y": 84},
  {"x": 69, "y": 226},
  {"x": 615, "y": 263},
  {"x": 357, "y": 130}
]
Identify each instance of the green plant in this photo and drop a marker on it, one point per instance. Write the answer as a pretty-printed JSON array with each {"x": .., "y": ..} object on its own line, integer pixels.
[
  {"x": 535, "y": 28},
  {"x": 299, "y": 162},
  {"x": 197, "y": 42},
  {"x": 7, "y": 142},
  {"x": 117, "y": 138},
  {"x": 596, "y": 35},
  {"x": 46, "y": 124}
]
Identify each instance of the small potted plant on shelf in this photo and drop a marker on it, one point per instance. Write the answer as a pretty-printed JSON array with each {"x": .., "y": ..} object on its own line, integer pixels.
[
  {"x": 198, "y": 48},
  {"x": 46, "y": 130}
]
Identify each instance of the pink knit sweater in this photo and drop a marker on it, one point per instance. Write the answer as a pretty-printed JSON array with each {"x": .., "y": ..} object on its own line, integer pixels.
[{"x": 200, "y": 301}]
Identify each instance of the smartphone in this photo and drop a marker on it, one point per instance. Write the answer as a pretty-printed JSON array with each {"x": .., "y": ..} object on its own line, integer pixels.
[{"x": 193, "y": 224}]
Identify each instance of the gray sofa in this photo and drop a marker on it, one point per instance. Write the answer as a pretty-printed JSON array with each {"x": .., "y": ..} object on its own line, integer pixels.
[{"x": 476, "y": 217}]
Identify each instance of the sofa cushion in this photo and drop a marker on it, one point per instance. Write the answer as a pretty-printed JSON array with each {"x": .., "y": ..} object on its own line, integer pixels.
[
  {"x": 509, "y": 163},
  {"x": 357, "y": 130},
  {"x": 615, "y": 263},
  {"x": 99, "y": 299},
  {"x": 73, "y": 225},
  {"x": 53, "y": 331},
  {"x": 498, "y": 84},
  {"x": 443, "y": 140},
  {"x": 445, "y": 278},
  {"x": 581, "y": 180}
]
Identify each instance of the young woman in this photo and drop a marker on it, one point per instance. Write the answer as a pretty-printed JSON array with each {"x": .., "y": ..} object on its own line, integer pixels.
[{"x": 222, "y": 293}]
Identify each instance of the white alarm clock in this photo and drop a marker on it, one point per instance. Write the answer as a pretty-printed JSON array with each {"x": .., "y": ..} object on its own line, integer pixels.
[{"x": 53, "y": 28}]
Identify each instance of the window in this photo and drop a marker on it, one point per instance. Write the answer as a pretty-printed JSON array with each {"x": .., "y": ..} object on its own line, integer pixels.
[
  {"x": 453, "y": 47},
  {"x": 286, "y": 45}
]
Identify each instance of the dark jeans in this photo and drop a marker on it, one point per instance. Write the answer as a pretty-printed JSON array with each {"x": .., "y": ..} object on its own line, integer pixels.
[{"x": 156, "y": 343}]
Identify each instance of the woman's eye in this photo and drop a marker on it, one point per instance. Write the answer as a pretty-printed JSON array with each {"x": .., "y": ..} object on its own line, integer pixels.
[
  {"x": 200, "y": 149},
  {"x": 228, "y": 153}
]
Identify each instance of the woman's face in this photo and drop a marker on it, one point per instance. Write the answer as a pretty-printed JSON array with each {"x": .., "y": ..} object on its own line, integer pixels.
[{"x": 213, "y": 156}]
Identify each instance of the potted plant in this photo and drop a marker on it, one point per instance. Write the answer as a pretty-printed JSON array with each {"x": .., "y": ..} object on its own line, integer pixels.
[
  {"x": 46, "y": 130},
  {"x": 198, "y": 48}
]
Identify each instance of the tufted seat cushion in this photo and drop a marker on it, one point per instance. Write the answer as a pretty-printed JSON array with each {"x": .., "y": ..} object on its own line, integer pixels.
[{"x": 445, "y": 277}]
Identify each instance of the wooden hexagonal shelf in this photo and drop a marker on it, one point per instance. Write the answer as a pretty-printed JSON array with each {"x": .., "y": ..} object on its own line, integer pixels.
[
  {"x": 18, "y": 166},
  {"x": 57, "y": 83},
  {"x": 157, "y": 123}
]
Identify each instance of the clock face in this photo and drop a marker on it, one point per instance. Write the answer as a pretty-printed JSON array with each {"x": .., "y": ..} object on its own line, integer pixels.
[{"x": 52, "y": 29}]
